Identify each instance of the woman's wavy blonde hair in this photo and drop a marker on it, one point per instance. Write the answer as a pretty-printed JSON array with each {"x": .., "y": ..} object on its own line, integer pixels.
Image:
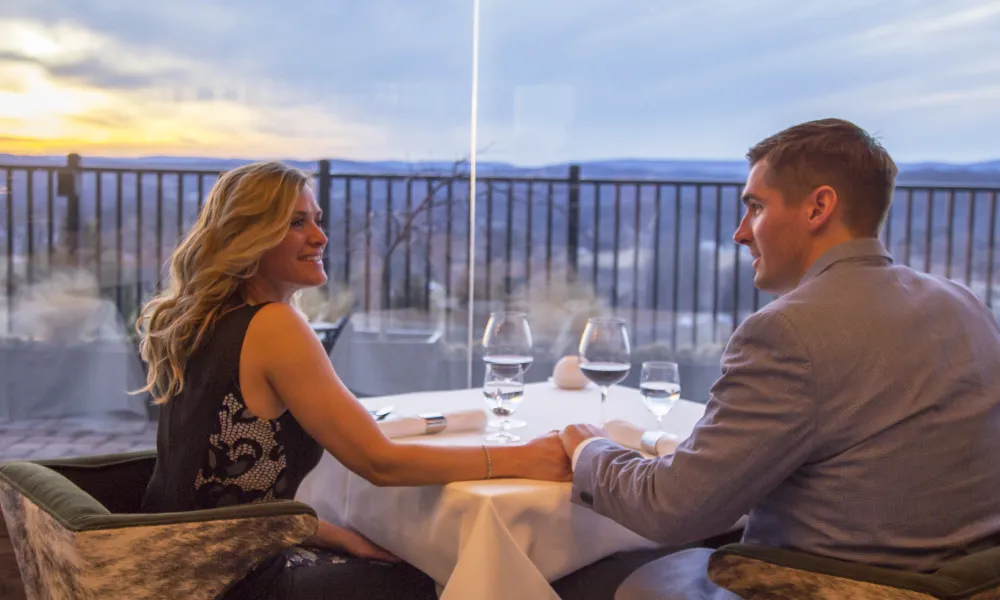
[{"x": 247, "y": 213}]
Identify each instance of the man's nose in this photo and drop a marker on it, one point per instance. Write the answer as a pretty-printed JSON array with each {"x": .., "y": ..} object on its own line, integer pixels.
[{"x": 742, "y": 234}]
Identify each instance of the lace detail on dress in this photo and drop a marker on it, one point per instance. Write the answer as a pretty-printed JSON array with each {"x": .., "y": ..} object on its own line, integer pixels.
[{"x": 245, "y": 461}]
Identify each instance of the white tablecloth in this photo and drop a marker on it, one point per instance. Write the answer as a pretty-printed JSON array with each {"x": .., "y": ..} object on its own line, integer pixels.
[{"x": 489, "y": 539}]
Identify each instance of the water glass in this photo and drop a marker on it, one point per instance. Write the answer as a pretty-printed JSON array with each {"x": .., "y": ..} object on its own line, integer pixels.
[
  {"x": 503, "y": 389},
  {"x": 660, "y": 386}
]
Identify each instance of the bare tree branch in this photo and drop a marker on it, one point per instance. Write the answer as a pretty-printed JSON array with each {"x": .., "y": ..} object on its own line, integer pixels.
[{"x": 418, "y": 223}]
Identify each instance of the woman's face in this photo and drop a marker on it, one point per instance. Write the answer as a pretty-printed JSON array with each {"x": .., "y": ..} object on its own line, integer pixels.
[{"x": 297, "y": 262}]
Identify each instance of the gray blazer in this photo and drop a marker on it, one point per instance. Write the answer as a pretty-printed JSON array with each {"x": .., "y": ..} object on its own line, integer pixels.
[{"x": 857, "y": 417}]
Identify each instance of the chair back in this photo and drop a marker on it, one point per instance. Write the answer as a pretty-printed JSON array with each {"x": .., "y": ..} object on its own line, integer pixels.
[{"x": 76, "y": 532}]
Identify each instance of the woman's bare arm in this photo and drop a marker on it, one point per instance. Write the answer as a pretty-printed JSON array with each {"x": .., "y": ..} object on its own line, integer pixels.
[{"x": 282, "y": 352}]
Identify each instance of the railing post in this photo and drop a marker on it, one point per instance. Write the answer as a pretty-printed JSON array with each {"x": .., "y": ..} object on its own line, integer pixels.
[
  {"x": 323, "y": 199},
  {"x": 7, "y": 193},
  {"x": 68, "y": 186},
  {"x": 573, "y": 222}
]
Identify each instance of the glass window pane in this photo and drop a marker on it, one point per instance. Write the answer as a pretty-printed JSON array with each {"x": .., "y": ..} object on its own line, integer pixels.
[
  {"x": 658, "y": 103},
  {"x": 372, "y": 99}
]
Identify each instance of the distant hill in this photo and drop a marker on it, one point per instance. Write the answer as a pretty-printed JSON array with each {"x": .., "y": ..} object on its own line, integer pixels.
[{"x": 981, "y": 173}]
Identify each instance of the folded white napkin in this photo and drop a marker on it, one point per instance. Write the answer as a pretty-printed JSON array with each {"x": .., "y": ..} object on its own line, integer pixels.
[
  {"x": 630, "y": 436},
  {"x": 460, "y": 420}
]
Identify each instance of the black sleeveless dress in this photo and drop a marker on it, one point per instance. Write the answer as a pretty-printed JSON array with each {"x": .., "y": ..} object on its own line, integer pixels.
[{"x": 211, "y": 451}]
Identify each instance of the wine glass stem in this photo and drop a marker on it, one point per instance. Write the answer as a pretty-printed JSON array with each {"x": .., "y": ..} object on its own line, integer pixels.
[{"x": 604, "y": 403}]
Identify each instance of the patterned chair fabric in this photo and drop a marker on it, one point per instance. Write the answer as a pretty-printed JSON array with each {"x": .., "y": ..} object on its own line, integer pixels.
[
  {"x": 762, "y": 573},
  {"x": 11, "y": 587},
  {"x": 69, "y": 545}
]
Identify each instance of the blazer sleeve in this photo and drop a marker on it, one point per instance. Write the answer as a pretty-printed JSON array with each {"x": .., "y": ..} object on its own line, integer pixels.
[{"x": 758, "y": 428}]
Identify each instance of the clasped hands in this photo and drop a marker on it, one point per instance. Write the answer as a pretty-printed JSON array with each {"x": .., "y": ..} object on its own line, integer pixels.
[{"x": 553, "y": 451}]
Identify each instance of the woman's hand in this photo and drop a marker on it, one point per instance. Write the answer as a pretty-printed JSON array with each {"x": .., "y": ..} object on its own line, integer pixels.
[
  {"x": 544, "y": 458},
  {"x": 350, "y": 542},
  {"x": 358, "y": 545}
]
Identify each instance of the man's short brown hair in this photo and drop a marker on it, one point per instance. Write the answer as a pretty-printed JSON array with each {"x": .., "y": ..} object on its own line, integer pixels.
[{"x": 837, "y": 153}]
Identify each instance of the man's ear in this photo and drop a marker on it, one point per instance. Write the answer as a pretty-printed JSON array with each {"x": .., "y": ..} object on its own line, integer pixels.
[{"x": 820, "y": 206}]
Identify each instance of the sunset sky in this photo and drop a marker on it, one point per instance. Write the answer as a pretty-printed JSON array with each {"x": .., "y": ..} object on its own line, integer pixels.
[{"x": 560, "y": 79}]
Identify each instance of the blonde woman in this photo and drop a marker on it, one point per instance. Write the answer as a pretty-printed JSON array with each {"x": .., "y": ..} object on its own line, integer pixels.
[{"x": 250, "y": 399}]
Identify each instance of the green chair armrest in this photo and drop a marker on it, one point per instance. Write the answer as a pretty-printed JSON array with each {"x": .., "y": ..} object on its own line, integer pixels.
[
  {"x": 259, "y": 510},
  {"x": 961, "y": 578},
  {"x": 975, "y": 573},
  {"x": 67, "y": 540},
  {"x": 98, "y": 461},
  {"x": 77, "y": 511},
  {"x": 751, "y": 570},
  {"x": 51, "y": 492}
]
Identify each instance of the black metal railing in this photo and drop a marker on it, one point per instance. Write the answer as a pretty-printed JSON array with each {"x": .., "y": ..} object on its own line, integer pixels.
[{"x": 658, "y": 251}]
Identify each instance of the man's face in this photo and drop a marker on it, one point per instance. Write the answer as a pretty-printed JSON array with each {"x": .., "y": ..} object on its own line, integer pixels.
[{"x": 775, "y": 230}]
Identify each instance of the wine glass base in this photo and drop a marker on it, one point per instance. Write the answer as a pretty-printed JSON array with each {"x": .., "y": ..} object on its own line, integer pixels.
[
  {"x": 511, "y": 424},
  {"x": 502, "y": 437}
]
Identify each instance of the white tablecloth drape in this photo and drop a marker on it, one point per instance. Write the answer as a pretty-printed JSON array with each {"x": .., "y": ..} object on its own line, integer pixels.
[{"x": 494, "y": 539}]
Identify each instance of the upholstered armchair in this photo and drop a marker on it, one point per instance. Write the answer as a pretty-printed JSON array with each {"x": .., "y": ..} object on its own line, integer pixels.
[
  {"x": 759, "y": 573},
  {"x": 76, "y": 533}
]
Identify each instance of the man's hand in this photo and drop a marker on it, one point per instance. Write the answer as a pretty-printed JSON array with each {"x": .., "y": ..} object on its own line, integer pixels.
[{"x": 573, "y": 435}]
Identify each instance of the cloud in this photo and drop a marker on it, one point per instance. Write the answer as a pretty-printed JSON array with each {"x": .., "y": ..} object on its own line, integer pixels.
[
  {"x": 560, "y": 79},
  {"x": 940, "y": 20},
  {"x": 107, "y": 119},
  {"x": 10, "y": 56},
  {"x": 89, "y": 58},
  {"x": 311, "y": 40},
  {"x": 95, "y": 72}
]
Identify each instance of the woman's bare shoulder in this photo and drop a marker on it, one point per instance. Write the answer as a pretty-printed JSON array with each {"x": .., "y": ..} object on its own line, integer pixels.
[{"x": 279, "y": 324}]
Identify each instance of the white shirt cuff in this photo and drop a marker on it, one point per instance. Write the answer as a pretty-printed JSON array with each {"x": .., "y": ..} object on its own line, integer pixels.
[{"x": 579, "y": 449}]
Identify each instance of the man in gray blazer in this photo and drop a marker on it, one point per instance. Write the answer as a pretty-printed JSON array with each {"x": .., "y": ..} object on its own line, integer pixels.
[{"x": 857, "y": 416}]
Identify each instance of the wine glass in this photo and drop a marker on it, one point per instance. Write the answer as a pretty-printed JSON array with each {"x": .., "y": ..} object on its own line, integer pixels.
[
  {"x": 605, "y": 356},
  {"x": 507, "y": 340},
  {"x": 503, "y": 388},
  {"x": 507, "y": 344},
  {"x": 660, "y": 386}
]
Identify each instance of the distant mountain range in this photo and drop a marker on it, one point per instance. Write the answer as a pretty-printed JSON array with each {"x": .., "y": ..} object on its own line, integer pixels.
[{"x": 981, "y": 173}]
